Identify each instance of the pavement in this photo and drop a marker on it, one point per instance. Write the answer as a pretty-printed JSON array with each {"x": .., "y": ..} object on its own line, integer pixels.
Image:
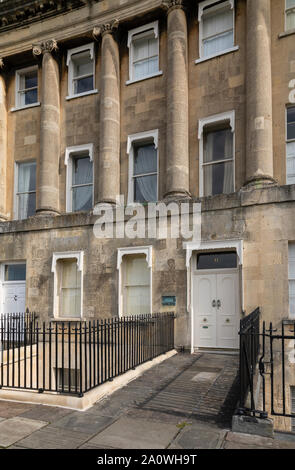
[{"x": 185, "y": 402}]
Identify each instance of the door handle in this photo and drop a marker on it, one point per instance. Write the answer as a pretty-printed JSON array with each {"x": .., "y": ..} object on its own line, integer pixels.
[
  {"x": 15, "y": 298},
  {"x": 213, "y": 303},
  {"x": 218, "y": 304}
]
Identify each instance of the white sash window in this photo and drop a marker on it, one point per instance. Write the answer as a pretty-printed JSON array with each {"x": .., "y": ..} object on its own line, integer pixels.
[
  {"x": 290, "y": 146},
  {"x": 290, "y": 14},
  {"x": 292, "y": 280},
  {"x": 25, "y": 196}
]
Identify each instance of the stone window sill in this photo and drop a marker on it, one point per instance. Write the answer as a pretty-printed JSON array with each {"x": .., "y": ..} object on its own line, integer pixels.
[
  {"x": 65, "y": 320},
  {"x": 157, "y": 74},
  {"x": 34, "y": 105},
  {"x": 79, "y": 95},
  {"x": 227, "y": 51},
  {"x": 289, "y": 32}
]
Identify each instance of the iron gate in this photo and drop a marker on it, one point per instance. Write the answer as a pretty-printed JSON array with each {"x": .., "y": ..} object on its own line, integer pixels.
[{"x": 267, "y": 355}]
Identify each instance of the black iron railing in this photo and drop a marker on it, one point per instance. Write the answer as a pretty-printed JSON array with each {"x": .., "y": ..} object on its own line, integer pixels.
[
  {"x": 13, "y": 326},
  {"x": 74, "y": 357},
  {"x": 249, "y": 350}
]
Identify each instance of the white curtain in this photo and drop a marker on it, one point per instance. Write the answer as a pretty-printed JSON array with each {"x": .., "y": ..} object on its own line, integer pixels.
[
  {"x": 217, "y": 32},
  {"x": 145, "y": 161},
  {"x": 136, "y": 285},
  {"x": 291, "y": 163},
  {"x": 70, "y": 289},
  {"x": 82, "y": 174},
  {"x": 218, "y": 145},
  {"x": 145, "y": 57},
  {"x": 26, "y": 183},
  {"x": 228, "y": 183},
  {"x": 290, "y": 15}
]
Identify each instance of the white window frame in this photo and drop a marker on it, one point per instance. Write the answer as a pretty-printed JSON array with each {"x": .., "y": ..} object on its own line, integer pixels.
[
  {"x": 70, "y": 153},
  {"x": 18, "y": 74},
  {"x": 70, "y": 65},
  {"x": 79, "y": 255},
  {"x": 141, "y": 137},
  {"x": 16, "y": 193},
  {"x": 287, "y": 141},
  {"x": 286, "y": 10},
  {"x": 203, "y": 7},
  {"x": 134, "y": 250},
  {"x": 291, "y": 259},
  {"x": 154, "y": 26},
  {"x": 211, "y": 120}
]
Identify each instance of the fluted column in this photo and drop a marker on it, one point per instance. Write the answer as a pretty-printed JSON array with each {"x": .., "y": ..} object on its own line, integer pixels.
[
  {"x": 3, "y": 146},
  {"x": 47, "y": 202},
  {"x": 108, "y": 186},
  {"x": 177, "y": 170},
  {"x": 259, "y": 159}
]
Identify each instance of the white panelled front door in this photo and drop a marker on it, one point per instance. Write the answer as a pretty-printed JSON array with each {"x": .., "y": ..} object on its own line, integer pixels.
[
  {"x": 216, "y": 310},
  {"x": 14, "y": 297}
]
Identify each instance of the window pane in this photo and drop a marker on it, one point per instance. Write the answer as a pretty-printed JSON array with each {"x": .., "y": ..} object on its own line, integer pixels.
[
  {"x": 30, "y": 97},
  {"x": 83, "y": 64},
  {"x": 82, "y": 85},
  {"x": 70, "y": 293},
  {"x": 290, "y": 20},
  {"x": 218, "y": 179},
  {"x": 223, "y": 260},
  {"x": 15, "y": 272},
  {"x": 82, "y": 198},
  {"x": 26, "y": 205},
  {"x": 146, "y": 67},
  {"x": 291, "y": 123},
  {"x": 82, "y": 170},
  {"x": 218, "y": 44},
  {"x": 140, "y": 49},
  {"x": 218, "y": 145},
  {"x": 216, "y": 23},
  {"x": 137, "y": 285},
  {"x": 31, "y": 80},
  {"x": 145, "y": 159},
  {"x": 145, "y": 188},
  {"x": 290, "y": 3},
  {"x": 26, "y": 177}
]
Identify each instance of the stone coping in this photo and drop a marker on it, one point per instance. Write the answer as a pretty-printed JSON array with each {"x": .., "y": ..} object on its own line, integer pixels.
[{"x": 89, "y": 398}]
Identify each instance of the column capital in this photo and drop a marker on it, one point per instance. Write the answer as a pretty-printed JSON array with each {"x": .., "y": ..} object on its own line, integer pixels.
[
  {"x": 45, "y": 46},
  {"x": 106, "y": 28},
  {"x": 169, "y": 5}
]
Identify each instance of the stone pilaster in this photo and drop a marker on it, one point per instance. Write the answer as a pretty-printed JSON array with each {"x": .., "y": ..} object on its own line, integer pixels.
[
  {"x": 177, "y": 169},
  {"x": 107, "y": 187},
  {"x": 47, "y": 202},
  {"x": 3, "y": 146},
  {"x": 259, "y": 159}
]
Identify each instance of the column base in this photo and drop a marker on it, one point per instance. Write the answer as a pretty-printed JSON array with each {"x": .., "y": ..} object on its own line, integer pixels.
[
  {"x": 3, "y": 218},
  {"x": 176, "y": 195},
  {"x": 258, "y": 182},
  {"x": 46, "y": 212},
  {"x": 104, "y": 205}
]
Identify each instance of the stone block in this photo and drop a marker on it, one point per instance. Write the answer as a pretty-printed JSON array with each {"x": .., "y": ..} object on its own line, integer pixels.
[{"x": 253, "y": 425}]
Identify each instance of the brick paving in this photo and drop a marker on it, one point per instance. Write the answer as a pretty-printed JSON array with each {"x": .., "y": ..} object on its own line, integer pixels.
[{"x": 186, "y": 402}]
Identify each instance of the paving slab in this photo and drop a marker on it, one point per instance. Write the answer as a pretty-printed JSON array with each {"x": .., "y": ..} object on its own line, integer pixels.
[
  {"x": 10, "y": 409},
  {"x": 151, "y": 415},
  {"x": 49, "y": 414},
  {"x": 54, "y": 438},
  {"x": 85, "y": 422},
  {"x": 234, "y": 440},
  {"x": 199, "y": 436},
  {"x": 129, "y": 433},
  {"x": 15, "y": 429}
]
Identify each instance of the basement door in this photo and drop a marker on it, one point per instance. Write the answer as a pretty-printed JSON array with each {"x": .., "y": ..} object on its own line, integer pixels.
[
  {"x": 14, "y": 288},
  {"x": 216, "y": 308}
]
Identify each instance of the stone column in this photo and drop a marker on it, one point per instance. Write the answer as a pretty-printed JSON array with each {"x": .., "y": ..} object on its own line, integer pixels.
[
  {"x": 108, "y": 183},
  {"x": 177, "y": 169},
  {"x": 48, "y": 165},
  {"x": 259, "y": 157},
  {"x": 3, "y": 146}
]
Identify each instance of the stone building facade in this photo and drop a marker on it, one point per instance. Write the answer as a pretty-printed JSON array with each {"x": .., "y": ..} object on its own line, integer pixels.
[{"x": 201, "y": 90}]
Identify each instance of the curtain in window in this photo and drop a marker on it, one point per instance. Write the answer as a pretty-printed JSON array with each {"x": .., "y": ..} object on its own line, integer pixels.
[
  {"x": 292, "y": 280},
  {"x": 218, "y": 177},
  {"x": 137, "y": 286},
  {"x": 217, "y": 32},
  {"x": 290, "y": 14},
  {"x": 291, "y": 163},
  {"x": 145, "y": 162},
  {"x": 26, "y": 184},
  {"x": 70, "y": 290},
  {"x": 83, "y": 72},
  {"x": 82, "y": 184},
  {"x": 145, "y": 57}
]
